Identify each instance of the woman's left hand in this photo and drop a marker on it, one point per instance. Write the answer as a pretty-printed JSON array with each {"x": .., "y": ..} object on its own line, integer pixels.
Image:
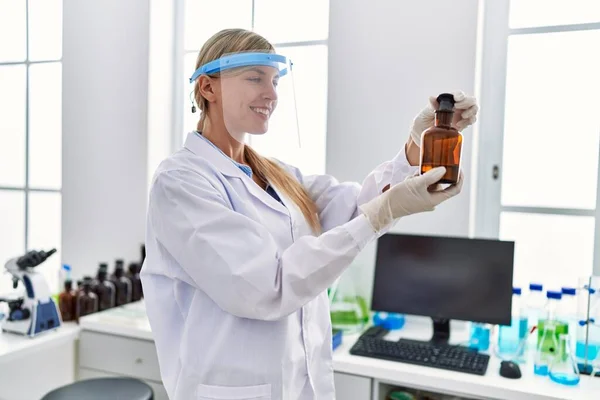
[{"x": 465, "y": 114}]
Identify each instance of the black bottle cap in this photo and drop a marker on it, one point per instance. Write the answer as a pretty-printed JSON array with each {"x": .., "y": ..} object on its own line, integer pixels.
[
  {"x": 68, "y": 285},
  {"x": 119, "y": 264},
  {"x": 446, "y": 102},
  {"x": 133, "y": 268},
  {"x": 103, "y": 266}
]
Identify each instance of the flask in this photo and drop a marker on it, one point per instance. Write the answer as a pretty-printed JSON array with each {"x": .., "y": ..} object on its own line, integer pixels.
[
  {"x": 512, "y": 338},
  {"x": 549, "y": 329},
  {"x": 564, "y": 368},
  {"x": 441, "y": 145},
  {"x": 535, "y": 303}
]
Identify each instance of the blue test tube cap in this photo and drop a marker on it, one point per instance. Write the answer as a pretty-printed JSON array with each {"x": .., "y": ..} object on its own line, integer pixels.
[
  {"x": 537, "y": 287},
  {"x": 550, "y": 294},
  {"x": 569, "y": 291},
  {"x": 517, "y": 291},
  {"x": 582, "y": 323},
  {"x": 589, "y": 289}
]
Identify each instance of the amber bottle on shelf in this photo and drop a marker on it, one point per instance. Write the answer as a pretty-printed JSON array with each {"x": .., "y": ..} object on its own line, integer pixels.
[
  {"x": 122, "y": 284},
  {"x": 87, "y": 301},
  {"x": 136, "y": 283},
  {"x": 441, "y": 145},
  {"x": 104, "y": 288},
  {"x": 67, "y": 302}
]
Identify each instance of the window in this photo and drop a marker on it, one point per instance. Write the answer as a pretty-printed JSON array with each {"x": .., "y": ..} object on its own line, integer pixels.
[
  {"x": 283, "y": 23},
  {"x": 30, "y": 132},
  {"x": 540, "y": 126}
]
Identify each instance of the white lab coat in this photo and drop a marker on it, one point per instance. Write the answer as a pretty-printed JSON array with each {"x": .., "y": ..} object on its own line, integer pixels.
[{"x": 235, "y": 284}]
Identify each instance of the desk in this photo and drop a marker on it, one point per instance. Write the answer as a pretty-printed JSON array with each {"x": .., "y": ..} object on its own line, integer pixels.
[
  {"x": 119, "y": 342},
  {"x": 387, "y": 374},
  {"x": 31, "y": 367}
]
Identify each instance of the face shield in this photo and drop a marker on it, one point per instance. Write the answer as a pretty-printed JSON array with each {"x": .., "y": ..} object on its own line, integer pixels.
[{"x": 255, "y": 95}]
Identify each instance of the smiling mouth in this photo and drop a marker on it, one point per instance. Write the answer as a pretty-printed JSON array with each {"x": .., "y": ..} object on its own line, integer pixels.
[{"x": 261, "y": 110}]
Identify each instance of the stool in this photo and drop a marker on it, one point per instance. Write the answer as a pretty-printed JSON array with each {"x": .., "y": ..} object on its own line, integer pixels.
[{"x": 103, "y": 389}]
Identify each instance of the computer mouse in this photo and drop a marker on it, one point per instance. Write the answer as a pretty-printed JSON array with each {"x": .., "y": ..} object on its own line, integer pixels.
[{"x": 510, "y": 369}]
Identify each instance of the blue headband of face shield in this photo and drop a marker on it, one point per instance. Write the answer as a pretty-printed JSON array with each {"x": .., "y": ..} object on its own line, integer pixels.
[{"x": 277, "y": 61}]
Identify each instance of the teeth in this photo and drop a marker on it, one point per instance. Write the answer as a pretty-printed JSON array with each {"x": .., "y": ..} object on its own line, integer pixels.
[{"x": 264, "y": 111}]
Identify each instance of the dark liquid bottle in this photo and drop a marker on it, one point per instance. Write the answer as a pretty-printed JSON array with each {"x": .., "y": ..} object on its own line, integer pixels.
[
  {"x": 441, "y": 145},
  {"x": 136, "y": 282},
  {"x": 87, "y": 301},
  {"x": 104, "y": 289},
  {"x": 122, "y": 284},
  {"x": 67, "y": 302}
]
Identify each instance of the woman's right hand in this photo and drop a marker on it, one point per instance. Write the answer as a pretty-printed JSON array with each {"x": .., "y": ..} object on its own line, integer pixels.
[{"x": 416, "y": 194}]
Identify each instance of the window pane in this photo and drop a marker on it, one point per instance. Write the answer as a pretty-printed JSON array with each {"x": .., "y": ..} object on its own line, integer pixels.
[
  {"x": 45, "y": 232},
  {"x": 551, "y": 120},
  {"x": 291, "y": 20},
  {"x": 45, "y": 125},
  {"x": 553, "y": 249},
  {"x": 531, "y": 13},
  {"x": 12, "y": 25},
  {"x": 310, "y": 82},
  {"x": 190, "y": 120},
  {"x": 12, "y": 125},
  {"x": 12, "y": 232},
  {"x": 45, "y": 29},
  {"x": 204, "y": 18}
]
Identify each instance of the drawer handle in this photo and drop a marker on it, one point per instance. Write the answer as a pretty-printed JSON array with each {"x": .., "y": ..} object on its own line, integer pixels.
[{"x": 138, "y": 360}]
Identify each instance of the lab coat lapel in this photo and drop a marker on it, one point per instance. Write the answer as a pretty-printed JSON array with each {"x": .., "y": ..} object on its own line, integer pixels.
[{"x": 225, "y": 165}]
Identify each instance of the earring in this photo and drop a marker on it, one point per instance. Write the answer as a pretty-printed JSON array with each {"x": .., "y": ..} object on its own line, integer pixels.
[{"x": 192, "y": 101}]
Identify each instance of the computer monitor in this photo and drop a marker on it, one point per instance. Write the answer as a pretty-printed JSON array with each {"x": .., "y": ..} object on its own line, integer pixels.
[{"x": 444, "y": 278}]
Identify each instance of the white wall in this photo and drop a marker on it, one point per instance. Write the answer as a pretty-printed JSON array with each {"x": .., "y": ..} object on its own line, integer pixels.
[
  {"x": 105, "y": 89},
  {"x": 386, "y": 57}
]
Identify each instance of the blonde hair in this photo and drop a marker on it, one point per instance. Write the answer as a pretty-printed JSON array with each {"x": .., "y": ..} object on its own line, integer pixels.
[{"x": 240, "y": 40}]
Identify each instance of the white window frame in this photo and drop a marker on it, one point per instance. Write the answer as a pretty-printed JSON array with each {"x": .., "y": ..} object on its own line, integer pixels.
[
  {"x": 27, "y": 189},
  {"x": 178, "y": 68},
  {"x": 492, "y": 91}
]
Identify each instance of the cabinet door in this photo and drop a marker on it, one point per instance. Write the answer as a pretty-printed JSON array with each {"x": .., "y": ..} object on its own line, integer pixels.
[
  {"x": 118, "y": 354},
  {"x": 352, "y": 387}
]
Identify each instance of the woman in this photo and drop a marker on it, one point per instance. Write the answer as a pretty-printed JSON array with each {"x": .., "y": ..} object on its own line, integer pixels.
[{"x": 241, "y": 249}]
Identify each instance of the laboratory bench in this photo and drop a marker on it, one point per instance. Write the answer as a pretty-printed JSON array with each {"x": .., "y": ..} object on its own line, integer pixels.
[
  {"x": 125, "y": 333},
  {"x": 373, "y": 378},
  {"x": 118, "y": 342},
  {"x": 31, "y": 367}
]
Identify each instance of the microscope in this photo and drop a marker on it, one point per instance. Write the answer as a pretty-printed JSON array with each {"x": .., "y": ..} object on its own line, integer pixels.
[{"x": 36, "y": 312}]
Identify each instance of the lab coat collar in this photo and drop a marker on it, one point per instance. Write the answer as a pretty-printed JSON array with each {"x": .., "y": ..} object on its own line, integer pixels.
[{"x": 201, "y": 147}]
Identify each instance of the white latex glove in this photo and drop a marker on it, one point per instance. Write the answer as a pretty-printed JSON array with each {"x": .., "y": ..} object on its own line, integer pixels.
[
  {"x": 416, "y": 194},
  {"x": 465, "y": 114}
]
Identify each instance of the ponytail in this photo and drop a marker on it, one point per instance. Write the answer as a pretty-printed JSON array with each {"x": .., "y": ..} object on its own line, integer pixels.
[{"x": 271, "y": 172}]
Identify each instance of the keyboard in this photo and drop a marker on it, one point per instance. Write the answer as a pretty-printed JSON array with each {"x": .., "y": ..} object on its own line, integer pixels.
[{"x": 443, "y": 356}]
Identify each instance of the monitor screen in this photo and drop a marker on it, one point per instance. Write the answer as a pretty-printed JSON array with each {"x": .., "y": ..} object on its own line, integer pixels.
[{"x": 444, "y": 278}]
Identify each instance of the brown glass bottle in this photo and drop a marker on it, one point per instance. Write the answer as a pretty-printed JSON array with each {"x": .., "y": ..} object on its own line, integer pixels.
[
  {"x": 104, "y": 288},
  {"x": 67, "y": 302},
  {"x": 122, "y": 284},
  {"x": 87, "y": 301},
  {"x": 136, "y": 282},
  {"x": 441, "y": 145}
]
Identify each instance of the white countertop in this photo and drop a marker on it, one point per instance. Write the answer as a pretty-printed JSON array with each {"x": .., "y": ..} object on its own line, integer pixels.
[
  {"x": 128, "y": 320},
  {"x": 131, "y": 321},
  {"x": 13, "y": 346},
  {"x": 529, "y": 387}
]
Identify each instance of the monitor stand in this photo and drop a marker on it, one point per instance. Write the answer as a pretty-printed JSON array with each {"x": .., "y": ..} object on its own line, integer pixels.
[{"x": 441, "y": 331}]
